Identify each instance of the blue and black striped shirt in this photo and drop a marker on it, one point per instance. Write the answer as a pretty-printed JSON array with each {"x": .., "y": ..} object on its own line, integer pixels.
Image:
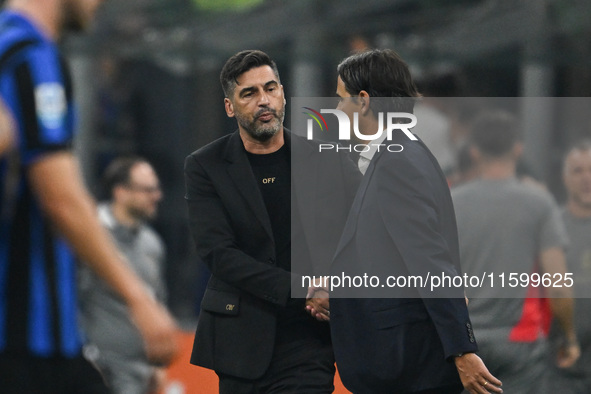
[{"x": 38, "y": 307}]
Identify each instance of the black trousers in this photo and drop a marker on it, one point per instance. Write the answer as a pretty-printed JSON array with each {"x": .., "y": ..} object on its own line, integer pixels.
[
  {"x": 442, "y": 390},
  {"x": 295, "y": 369},
  {"x": 21, "y": 374}
]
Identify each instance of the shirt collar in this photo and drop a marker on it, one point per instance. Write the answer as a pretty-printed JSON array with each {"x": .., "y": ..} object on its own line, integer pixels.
[{"x": 373, "y": 147}]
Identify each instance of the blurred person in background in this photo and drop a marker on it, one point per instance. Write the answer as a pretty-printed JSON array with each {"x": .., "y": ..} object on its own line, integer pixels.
[
  {"x": 115, "y": 344},
  {"x": 577, "y": 219},
  {"x": 465, "y": 169},
  {"x": 507, "y": 225},
  {"x": 48, "y": 216},
  {"x": 7, "y": 132},
  {"x": 253, "y": 329},
  {"x": 434, "y": 130}
]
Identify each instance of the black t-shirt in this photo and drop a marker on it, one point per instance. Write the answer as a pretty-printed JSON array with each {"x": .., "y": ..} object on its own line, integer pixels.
[{"x": 272, "y": 173}]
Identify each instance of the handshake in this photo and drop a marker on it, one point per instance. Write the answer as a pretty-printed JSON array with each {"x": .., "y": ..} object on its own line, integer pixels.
[{"x": 317, "y": 304}]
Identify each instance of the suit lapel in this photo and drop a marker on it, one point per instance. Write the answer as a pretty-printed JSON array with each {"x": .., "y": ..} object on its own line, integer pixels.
[
  {"x": 241, "y": 174},
  {"x": 351, "y": 224}
]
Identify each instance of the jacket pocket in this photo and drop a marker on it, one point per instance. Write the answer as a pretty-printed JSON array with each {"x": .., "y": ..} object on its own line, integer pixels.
[
  {"x": 223, "y": 302},
  {"x": 398, "y": 315}
]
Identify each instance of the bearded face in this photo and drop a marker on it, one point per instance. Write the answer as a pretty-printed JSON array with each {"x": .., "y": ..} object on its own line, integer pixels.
[
  {"x": 258, "y": 103},
  {"x": 265, "y": 123}
]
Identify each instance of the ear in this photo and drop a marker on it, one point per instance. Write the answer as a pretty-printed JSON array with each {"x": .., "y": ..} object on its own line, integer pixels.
[
  {"x": 118, "y": 192},
  {"x": 283, "y": 94},
  {"x": 229, "y": 107},
  {"x": 364, "y": 100}
]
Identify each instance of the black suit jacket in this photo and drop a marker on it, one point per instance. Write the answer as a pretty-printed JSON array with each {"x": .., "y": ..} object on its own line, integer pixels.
[
  {"x": 233, "y": 236},
  {"x": 402, "y": 223}
]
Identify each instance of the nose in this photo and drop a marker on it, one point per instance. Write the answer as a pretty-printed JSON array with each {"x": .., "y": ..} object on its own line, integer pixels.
[{"x": 264, "y": 99}]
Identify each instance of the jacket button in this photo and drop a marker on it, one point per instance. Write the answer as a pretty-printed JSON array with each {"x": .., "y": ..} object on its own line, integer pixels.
[{"x": 468, "y": 325}]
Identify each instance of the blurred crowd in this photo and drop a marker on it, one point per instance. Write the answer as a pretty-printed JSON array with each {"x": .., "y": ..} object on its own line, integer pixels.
[{"x": 538, "y": 341}]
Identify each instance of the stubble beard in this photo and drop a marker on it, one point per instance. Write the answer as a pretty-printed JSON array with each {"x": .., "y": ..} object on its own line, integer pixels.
[
  {"x": 142, "y": 214},
  {"x": 265, "y": 131}
]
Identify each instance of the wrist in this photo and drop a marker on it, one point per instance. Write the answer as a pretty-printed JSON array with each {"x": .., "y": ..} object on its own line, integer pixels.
[{"x": 459, "y": 355}]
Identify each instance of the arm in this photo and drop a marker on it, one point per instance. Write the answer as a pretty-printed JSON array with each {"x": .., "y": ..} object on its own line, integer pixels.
[
  {"x": 227, "y": 244},
  {"x": 407, "y": 190},
  {"x": 552, "y": 261},
  {"x": 55, "y": 179},
  {"x": 414, "y": 216},
  {"x": 475, "y": 376},
  {"x": 7, "y": 131}
]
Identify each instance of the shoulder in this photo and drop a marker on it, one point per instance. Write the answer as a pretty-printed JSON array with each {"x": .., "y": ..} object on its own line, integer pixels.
[
  {"x": 302, "y": 147},
  {"x": 464, "y": 189},
  {"x": 152, "y": 237},
  {"x": 212, "y": 150},
  {"x": 14, "y": 29},
  {"x": 324, "y": 157},
  {"x": 409, "y": 158},
  {"x": 299, "y": 141},
  {"x": 530, "y": 196},
  {"x": 535, "y": 192},
  {"x": 17, "y": 36}
]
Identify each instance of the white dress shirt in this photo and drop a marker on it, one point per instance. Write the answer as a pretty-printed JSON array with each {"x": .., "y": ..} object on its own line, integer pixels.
[{"x": 366, "y": 156}]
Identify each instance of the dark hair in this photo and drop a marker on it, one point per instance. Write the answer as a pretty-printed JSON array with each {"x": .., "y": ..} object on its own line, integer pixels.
[
  {"x": 239, "y": 64},
  {"x": 118, "y": 172},
  {"x": 494, "y": 133},
  {"x": 381, "y": 73},
  {"x": 580, "y": 145}
]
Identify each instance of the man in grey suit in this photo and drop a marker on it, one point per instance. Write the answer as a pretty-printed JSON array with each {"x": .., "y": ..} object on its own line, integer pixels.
[{"x": 402, "y": 224}]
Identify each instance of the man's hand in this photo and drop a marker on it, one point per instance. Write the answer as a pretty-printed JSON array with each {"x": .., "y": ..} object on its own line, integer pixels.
[
  {"x": 158, "y": 381},
  {"x": 475, "y": 376},
  {"x": 158, "y": 330},
  {"x": 568, "y": 354},
  {"x": 317, "y": 303}
]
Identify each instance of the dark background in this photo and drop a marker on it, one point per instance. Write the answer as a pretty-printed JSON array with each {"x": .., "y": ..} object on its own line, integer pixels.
[{"x": 147, "y": 77}]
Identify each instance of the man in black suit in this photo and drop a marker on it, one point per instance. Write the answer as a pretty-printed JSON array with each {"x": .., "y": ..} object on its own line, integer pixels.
[
  {"x": 402, "y": 223},
  {"x": 256, "y": 337}
]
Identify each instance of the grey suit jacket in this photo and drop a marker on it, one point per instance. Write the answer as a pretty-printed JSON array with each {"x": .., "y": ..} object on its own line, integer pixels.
[{"x": 402, "y": 223}]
